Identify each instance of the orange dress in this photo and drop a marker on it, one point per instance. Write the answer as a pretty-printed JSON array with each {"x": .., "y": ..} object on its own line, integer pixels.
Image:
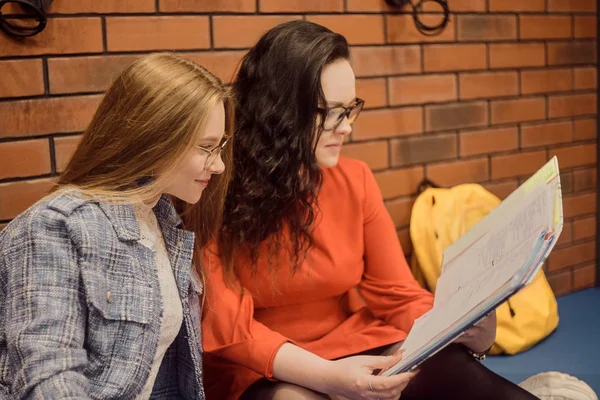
[{"x": 354, "y": 292}]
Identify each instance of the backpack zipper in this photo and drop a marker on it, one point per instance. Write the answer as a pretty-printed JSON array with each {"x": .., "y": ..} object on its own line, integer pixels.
[{"x": 512, "y": 311}]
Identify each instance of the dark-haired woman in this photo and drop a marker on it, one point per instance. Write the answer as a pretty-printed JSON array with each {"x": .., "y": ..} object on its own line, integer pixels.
[{"x": 308, "y": 291}]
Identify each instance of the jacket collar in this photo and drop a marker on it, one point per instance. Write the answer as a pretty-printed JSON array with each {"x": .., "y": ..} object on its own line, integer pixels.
[{"x": 122, "y": 217}]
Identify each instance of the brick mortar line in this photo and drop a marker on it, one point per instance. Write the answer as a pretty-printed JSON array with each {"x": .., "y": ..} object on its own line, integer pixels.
[
  {"x": 390, "y": 107},
  {"x": 572, "y": 266},
  {"x": 396, "y": 198},
  {"x": 46, "y": 76},
  {"x": 401, "y": 136},
  {"x": 458, "y": 141},
  {"x": 59, "y": 135},
  {"x": 579, "y": 218},
  {"x": 379, "y": 45},
  {"x": 486, "y": 71},
  {"x": 48, "y": 97},
  {"x": 104, "y": 36},
  {"x": 558, "y": 146},
  {"x": 26, "y": 178},
  {"x": 36, "y": 137},
  {"x": 565, "y": 93},
  {"x": 490, "y": 42},
  {"x": 385, "y": 26},
  {"x": 455, "y": 160},
  {"x": 388, "y": 101},
  {"x": 52, "y": 149},
  {"x": 582, "y": 193},
  {"x": 257, "y": 12},
  {"x": 413, "y": 196},
  {"x": 360, "y": 45},
  {"x": 470, "y": 129},
  {"x": 584, "y": 167},
  {"x": 211, "y": 32},
  {"x": 120, "y": 54}
]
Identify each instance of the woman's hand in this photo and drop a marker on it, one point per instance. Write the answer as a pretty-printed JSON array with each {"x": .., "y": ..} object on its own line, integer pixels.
[
  {"x": 481, "y": 336},
  {"x": 352, "y": 378}
]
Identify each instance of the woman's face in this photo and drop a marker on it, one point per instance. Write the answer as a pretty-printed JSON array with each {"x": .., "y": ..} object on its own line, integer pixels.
[
  {"x": 193, "y": 174},
  {"x": 338, "y": 83}
]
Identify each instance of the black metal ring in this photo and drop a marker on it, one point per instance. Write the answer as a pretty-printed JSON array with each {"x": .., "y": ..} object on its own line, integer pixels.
[
  {"x": 23, "y": 31},
  {"x": 431, "y": 29},
  {"x": 427, "y": 30}
]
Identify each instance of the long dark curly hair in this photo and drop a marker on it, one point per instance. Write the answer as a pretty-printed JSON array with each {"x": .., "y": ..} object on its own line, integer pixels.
[{"x": 276, "y": 179}]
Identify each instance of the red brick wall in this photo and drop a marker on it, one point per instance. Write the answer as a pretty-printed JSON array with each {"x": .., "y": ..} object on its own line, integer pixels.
[{"x": 506, "y": 86}]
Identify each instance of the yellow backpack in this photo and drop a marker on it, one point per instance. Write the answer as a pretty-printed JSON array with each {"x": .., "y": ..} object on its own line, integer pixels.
[{"x": 439, "y": 217}]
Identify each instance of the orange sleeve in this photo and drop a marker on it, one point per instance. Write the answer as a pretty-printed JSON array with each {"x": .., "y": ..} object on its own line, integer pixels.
[
  {"x": 229, "y": 331},
  {"x": 388, "y": 286}
]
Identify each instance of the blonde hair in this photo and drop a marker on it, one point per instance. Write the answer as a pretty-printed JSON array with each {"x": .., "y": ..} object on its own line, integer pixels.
[{"x": 151, "y": 115}]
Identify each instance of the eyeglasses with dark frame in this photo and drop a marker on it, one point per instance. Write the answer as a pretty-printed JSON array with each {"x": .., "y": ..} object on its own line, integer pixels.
[
  {"x": 212, "y": 154},
  {"x": 333, "y": 116}
]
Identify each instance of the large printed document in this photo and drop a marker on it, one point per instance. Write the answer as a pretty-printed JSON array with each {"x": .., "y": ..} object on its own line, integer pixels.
[{"x": 491, "y": 262}]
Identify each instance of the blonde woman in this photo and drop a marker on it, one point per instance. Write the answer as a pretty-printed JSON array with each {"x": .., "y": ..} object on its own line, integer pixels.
[{"x": 98, "y": 295}]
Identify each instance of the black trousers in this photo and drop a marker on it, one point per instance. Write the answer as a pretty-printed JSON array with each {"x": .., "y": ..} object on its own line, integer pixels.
[{"x": 451, "y": 374}]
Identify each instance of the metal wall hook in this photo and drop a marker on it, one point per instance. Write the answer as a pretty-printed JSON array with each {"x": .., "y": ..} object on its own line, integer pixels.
[
  {"x": 417, "y": 11},
  {"x": 34, "y": 11}
]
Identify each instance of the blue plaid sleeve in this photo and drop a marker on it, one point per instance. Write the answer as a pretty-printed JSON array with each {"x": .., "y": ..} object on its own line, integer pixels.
[{"x": 45, "y": 311}]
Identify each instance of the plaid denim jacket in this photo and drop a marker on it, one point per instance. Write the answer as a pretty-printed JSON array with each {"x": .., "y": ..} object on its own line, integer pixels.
[{"x": 80, "y": 304}]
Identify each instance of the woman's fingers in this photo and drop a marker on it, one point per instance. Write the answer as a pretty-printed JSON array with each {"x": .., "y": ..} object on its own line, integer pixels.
[
  {"x": 385, "y": 362},
  {"x": 385, "y": 387},
  {"x": 361, "y": 384}
]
